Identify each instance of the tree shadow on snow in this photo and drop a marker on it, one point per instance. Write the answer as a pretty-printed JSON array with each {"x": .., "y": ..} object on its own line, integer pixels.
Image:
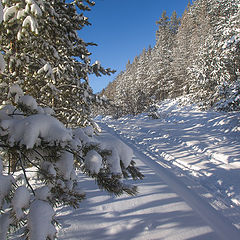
[{"x": 155, "y": 213}]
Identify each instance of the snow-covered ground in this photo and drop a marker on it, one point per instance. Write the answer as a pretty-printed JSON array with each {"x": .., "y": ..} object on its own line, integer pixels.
[
  {"x": 191, "y": 189},
  {"x": 159, "y": 211}
]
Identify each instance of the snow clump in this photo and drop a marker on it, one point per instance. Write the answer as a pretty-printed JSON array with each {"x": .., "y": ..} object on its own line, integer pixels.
[
  {"x": 33, "y": 128},
  {"x": 5, "y": 187},
  {"x": 40, "y": 219},
  {"x": 9, "y": 12},
  {"x": 20, "y": 201},
  {"x": 42, "y": 193},
  {"x": 1, "y": 12},
  {"x": 93, "y": 162},
  {"x": 120, "y": 152},
  {"x": 28, "y": 101},
  {"x": 65, "y": 165},
  {"x": 16, "y": 92}
]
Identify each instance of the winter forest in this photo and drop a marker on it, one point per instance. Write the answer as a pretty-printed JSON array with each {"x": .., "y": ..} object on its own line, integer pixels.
[
  {"x": 52, "y": 141},
  {"x": 195, "y": 55},
  {"x": 46, "y": 131}
]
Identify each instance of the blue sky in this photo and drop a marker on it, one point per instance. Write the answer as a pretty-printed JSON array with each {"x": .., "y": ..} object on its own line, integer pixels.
[{"x": 122, "y": 28}]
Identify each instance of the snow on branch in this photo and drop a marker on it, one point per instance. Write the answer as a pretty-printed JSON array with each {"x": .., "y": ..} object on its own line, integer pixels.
[{"x": 40, "y": 148}]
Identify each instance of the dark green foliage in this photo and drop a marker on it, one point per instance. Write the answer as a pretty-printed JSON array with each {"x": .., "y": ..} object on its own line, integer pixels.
[
  {"x": 45, "y": 58},
  {"x": 50, "y": 61}
]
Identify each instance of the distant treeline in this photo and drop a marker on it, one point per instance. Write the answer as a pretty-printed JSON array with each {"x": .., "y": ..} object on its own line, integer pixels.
[{"x": 197, "y": 54}]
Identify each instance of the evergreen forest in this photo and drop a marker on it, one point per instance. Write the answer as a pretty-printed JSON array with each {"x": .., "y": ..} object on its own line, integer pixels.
[{"x": 196, "y": 55}]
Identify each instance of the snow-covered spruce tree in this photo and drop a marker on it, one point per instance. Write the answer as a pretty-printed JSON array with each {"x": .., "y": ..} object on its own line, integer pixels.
[
  {"x": 38, "y": 162},
  {"x": 131, "y": 85},
  {"x": 229, "y": 92},
  {"x": 182, "y": 54},
  {"x": 142, "y": 74},
  {"x": 125, "y": 89},
  {"x": 160, "y": 77},
  {"x": 149, "y": 78},
  {"x": 39, "y": 158},
  {"x": 226, "y": 41},
  {"x": 103, "y": 106},
  {"x": 46, "y": 57},
  {"x": 215, "y": 69},
  {"x": 154, "y": 78},
  {"x": 108, "y": 95}
]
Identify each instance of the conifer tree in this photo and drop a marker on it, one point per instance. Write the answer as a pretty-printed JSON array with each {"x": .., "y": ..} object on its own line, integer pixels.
[
  {"x": 162, "y": 57},
  {"x": 199, "y": 56},
  {"x": 163, "y": 24},
  {"x": 46, "y": 56},
  {"x": 215, "y": 67},
  {"x": 139, "y": 93},
  {"x": 225, "y": 21},
  {"x": 126, "y": 95},
  {"x": 182, "y": 53},
  {"x": 174, "y": 22},
  {"x": 39, "y": 155}
]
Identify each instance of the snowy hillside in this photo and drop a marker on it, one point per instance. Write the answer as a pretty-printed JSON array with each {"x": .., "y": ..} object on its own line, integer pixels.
[
  {"x": 191, "y": 188},
  {"x": 202, "y": 146}
]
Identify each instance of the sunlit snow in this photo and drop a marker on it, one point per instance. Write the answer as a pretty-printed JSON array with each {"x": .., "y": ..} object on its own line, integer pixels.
[{"x": 190, "y": 160}]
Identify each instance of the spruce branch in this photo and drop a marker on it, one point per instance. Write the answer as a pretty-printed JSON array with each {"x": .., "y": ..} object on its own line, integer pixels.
[{"x": 25, "y": 175}]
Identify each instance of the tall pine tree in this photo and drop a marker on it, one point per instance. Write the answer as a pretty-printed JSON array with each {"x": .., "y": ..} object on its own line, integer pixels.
[
  {"x": 47, "y": 58},
  {"x": 39, "y": 155}
]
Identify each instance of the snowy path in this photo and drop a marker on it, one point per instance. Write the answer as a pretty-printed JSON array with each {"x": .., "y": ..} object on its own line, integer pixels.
[
  {"x": 201, "y": 148},
  {"x": 164, "y": 209}
]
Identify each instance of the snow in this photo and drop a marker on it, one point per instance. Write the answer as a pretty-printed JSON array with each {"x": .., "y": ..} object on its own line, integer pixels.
[
  {"x": 29, "y": 20},
  {"x": 48, "y": 110},
  {"x": 65, "y": 165},
  {"x": 48, "y": 168},
  {"x": 9, "y": 12},
  {"x": 120, "y": 152},
  {"x": 93, "y": 162},
  {"x": 4, "y": 223},
  {"x": 20, "y": 201},
  {"x": 89, "y": 131},
  {"x": 15, "y": 91},
  {"x": 42, "y": 193},
  {"x": 6, "y": 110},
  {"x": 2, "y": 63},
  {"x": 202, "y": 147},
  {"x": 234, "y": 40},
  {"x": 40, "y": 221},
  {"x": 163, "y": 209},
  {"x": 20, "y": 14},
  {"x": 5, "y": 186},
  {"x": 36, "y": 10},
  {"x": 1, "y": 12},
  {"x": 47, "y": 69},
  {"x": 30, "y": 129},
  {"x": 80, "y": 134},
  {"x": 1, "y": 166},
  {"x": 190, "y": 160},
  {"x": 28, "y": 101}
]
